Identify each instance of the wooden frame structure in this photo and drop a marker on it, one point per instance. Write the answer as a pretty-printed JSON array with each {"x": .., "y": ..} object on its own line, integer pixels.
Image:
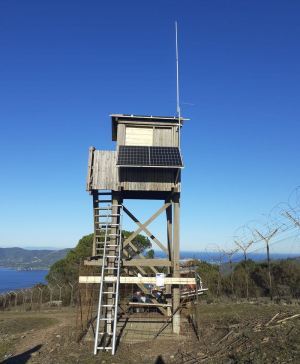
[{"x": 151, "y": 182}]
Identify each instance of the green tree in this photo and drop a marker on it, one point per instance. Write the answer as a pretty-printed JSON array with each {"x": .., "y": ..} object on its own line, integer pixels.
[
  {"x": 150, "y": 254},
  {"x": 67, "y": 270},
  {"x": 209, "y": 275},
  {"x": 141, "y": 243}
]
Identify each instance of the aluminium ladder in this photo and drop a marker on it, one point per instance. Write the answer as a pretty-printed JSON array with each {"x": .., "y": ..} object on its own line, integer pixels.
[{"x": 108, "y": 299}]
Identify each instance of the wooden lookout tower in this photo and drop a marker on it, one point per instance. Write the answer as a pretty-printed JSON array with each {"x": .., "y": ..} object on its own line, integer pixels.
[{"x": 146, "y": 165}]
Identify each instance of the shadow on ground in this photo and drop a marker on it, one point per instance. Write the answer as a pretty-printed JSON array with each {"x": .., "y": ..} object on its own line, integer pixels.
[
  {"x": 159, "y": 360},
  {"x": 22, "y": 358}
]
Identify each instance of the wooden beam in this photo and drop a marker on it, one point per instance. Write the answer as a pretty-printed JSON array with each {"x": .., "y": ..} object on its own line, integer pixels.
[
  {"x": 139, "y": 268},
  {"x": 148, "y": 304},
  {"x": 136, "y": 280},
  {"x": 136, "y": 263},
  {"x": 151, "y": 236}
]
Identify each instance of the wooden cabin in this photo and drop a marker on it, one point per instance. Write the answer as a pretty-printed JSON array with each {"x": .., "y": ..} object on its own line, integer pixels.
[{"x": 147, "y": 160}]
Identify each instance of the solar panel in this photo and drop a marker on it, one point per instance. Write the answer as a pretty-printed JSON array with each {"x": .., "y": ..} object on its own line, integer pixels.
[{"x": 130, "y": 155}]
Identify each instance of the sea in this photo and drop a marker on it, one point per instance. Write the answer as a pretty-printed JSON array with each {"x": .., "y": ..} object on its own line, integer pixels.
[
  {"x": 13, "y": 279},
  {"x": 206, "y": 256}
]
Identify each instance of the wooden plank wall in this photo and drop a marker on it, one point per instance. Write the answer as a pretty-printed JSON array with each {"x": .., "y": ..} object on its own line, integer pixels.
[
  {"x": 105, "y": 174},
  {"x": 147, "y": 179},
  {"x": 163, "y": 137},
  {"x": 139, "y": 136}
]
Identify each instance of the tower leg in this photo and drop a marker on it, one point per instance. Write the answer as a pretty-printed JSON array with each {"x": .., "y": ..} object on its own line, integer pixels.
[
  {"x": 170, "y": 253},
  {"x": 176, "y": 270}
]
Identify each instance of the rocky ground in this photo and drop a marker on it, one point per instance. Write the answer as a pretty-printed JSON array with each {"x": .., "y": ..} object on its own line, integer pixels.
[{"x": 229, "y": 333}]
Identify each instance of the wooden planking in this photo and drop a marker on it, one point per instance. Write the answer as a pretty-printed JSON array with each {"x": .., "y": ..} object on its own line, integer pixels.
[
  {"x": 89, "y": 171},
  {"x": 139, "y": 136},
  {"x": 137, "y": 280},
  {"x": 146, "y": 179},
  {"x": 105, "y": 171},
  {"x": 121, "y": 134},
  {"x": 163, "y": 137}
]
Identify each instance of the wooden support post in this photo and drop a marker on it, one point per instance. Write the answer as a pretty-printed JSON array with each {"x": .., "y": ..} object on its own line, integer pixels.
[
  {"x": 95, "y": 212},
  {"x": 170, "y": 253},
  {"x": 176, "y": 271}
]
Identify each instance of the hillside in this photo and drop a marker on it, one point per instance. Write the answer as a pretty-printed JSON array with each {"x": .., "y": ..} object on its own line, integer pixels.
[
  {"x": 229, "y": 333},
  {"x": 23, "y": 259},
  {"x": 225, "y": 267}
]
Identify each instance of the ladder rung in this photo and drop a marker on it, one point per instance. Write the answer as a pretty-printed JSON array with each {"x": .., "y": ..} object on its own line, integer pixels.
[
  {"x": 107, "y": 319},
  {"x": 107, "y": 305},
  {"x": 111, "y": 256},
  {"x": 102, "y": 208},
  {"x": 110, "y": 268},
  {"x": 110, "y": 292},
  {"x": 108, "y": 245},
  {"x": 104, "y": 347},
  {"x": 105, "y": 333},
  {"x": 103, "y": 201},
  {"x": 104, "y": 223},
  {"x": 112, "y": 234},
  {"x": 109, "y": 215}
]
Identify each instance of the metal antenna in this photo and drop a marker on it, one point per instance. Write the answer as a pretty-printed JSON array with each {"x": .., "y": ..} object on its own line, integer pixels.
[{"x": 178, "y": 107}]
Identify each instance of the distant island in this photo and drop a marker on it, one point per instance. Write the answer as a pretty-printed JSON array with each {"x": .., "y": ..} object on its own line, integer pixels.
[{"x": 22, "y": 259}]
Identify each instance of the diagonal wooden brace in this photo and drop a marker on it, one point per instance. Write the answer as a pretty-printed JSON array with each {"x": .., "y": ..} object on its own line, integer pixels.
[
  {"x": 151, "y": 236},
  {"x": 143, "y": 226}
]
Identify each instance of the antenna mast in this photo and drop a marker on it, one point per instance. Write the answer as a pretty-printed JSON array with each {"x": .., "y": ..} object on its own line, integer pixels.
[{"x": 178, "y": 107}]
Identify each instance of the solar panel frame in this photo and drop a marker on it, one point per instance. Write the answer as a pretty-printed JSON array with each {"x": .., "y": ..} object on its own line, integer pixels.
[{"x": 149, "y": 156}]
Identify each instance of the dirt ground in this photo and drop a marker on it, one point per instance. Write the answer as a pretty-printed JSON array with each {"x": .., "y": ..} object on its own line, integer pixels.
[{"x": 229, "y": 333}]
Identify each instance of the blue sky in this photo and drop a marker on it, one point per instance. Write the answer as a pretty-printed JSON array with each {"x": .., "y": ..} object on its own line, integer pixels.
[{"x": 66, "y": 65}]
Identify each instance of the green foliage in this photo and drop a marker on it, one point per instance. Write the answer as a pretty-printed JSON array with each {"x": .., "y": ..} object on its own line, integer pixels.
[
  {"x": 67, "y": 270},
  {"x": 285, "y": 277},
  {"x": 150, "y": 254},
  {"x": 141, "y": 243},
  {"x": 209, "y": 275}
]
